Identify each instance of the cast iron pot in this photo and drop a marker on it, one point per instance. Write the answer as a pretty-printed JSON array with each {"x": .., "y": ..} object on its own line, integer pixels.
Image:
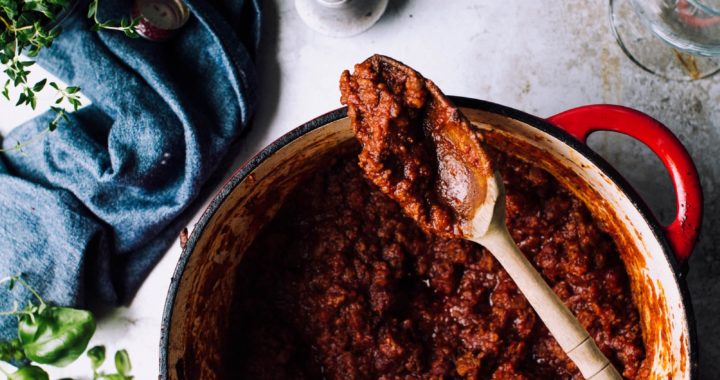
[{"x": 196, "y": 317}]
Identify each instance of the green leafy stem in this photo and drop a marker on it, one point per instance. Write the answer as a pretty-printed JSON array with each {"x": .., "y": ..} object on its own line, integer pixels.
[
  {"x": 125, "y": 25},
  {"x": 24, "y": 32},
  {"x": 54, "y": 336}
]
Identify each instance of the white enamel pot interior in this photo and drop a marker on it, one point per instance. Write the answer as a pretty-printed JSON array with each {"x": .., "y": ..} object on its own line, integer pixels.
[{"x": 197, "y": 308}]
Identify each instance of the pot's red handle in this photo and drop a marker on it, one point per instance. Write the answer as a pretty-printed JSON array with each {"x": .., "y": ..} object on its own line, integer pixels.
[{"x": 683, "y": 231}]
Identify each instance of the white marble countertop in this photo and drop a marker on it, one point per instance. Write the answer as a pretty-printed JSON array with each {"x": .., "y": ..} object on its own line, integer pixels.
[{"x": 541, "y": 57}]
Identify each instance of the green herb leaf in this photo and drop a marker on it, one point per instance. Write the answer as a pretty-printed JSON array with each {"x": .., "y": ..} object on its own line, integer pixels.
[
  {"x": 10, "y": 351},
  {"x": 97, "y": 356},
  {"x": 39, "y": 85},
  {"x": 56, "y": 335},
  {"x": 92, "y": 9},
  {"x": 4, "y": 351},
  {"x": 113, "y": 376},
  {"x": 6, "y": 90},
  {"x": 11, "y": 74},
  {"x": 29, "y": 372},
  {"x": 124, "y": 25},
  {"x": 75, "y": 103},
  {"x": 122, "y": 362},
  {"x": 40, "y": 6}
]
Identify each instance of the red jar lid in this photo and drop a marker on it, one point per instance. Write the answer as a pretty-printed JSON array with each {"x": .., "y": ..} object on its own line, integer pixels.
[{"x": 159, "y": 19}]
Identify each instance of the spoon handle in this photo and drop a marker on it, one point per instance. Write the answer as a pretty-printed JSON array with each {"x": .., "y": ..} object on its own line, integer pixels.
[{"x": 562, "y": 324}]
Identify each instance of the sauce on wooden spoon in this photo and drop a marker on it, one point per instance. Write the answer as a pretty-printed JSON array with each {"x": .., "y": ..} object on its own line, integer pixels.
[{"x": 438, "y": 173}]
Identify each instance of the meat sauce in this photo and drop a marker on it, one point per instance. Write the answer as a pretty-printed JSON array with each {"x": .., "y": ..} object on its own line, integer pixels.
[
  {"x": 362, "y": 274},
  {"x": 342, "y": 285}
]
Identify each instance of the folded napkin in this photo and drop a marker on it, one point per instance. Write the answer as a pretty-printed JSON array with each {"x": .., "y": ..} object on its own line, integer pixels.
[{"x": 88, "y": 211}]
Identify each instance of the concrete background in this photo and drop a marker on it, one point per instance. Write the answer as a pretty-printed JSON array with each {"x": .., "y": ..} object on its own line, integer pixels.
[{"x": 541, "y": 57}]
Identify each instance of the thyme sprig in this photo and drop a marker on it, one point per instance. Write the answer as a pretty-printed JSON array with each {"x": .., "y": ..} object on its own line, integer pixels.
[
  {"x": 25, "y": 29},
  {"x": 24, "y": 33},
  {"x": 125, "y": 25},
  {"x": 69, "y": 95}
]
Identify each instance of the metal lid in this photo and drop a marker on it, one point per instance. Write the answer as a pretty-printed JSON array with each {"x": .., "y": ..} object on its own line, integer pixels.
[{"x": 159, "y": 19}]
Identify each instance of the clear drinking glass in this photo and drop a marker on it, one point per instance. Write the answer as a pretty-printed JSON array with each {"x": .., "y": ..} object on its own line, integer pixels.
[{"x": 676, "y": 39}]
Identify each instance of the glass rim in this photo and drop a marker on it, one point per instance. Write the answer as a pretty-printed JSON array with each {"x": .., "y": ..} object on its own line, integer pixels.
[
  {"x": 631, "y": 56},
  {"x": 704, "y": 50}
]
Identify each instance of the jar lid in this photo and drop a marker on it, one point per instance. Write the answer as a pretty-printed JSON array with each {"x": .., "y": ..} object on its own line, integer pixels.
[{"x": 159, "y": 19}]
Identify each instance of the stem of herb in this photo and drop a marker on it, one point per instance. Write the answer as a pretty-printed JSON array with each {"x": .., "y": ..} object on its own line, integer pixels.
[
  {"x": 118, "y": 28},
  {"x": 15, "y": 313},
  {"x": 124, "y": 25},
  {"x": 22, "y": 282},
  {"x": 12, "y": 28},
  {"x": 7, "y": 26},
  {"x": 20, "y": 145}
]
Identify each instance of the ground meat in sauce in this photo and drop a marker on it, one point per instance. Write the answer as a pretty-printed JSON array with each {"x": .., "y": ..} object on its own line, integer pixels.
[
  {"x": 407, "y": 129},
  {"x": 342, "y": 285}
]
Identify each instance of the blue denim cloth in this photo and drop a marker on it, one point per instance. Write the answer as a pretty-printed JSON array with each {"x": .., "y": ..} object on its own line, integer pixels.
[{"x": 88, "y": 211}]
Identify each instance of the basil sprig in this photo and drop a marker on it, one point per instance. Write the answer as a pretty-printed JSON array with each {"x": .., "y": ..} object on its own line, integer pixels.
[{"x": 55, "y": 336}]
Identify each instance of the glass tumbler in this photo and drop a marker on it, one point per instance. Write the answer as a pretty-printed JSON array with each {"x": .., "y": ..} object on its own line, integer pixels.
[{"x": 676, "y": 39}]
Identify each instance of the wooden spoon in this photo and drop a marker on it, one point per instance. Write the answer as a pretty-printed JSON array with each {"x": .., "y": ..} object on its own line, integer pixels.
[{"x": 422, "y": 151}]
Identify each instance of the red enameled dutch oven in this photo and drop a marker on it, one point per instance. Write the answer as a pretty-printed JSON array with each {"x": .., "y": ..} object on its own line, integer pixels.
[{"x": 197, "y": 308}]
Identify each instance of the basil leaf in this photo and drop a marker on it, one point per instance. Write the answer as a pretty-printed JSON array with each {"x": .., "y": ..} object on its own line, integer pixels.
[
  {"x": 97, "y": 356},
  {"x": 122, "y": 362},
  {"x": 56, "y": 335},
  {"x": 29, "y": 372}
]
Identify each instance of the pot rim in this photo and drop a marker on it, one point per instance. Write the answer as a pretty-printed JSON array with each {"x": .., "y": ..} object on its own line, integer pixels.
[{"x": 463, "y": 102}]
